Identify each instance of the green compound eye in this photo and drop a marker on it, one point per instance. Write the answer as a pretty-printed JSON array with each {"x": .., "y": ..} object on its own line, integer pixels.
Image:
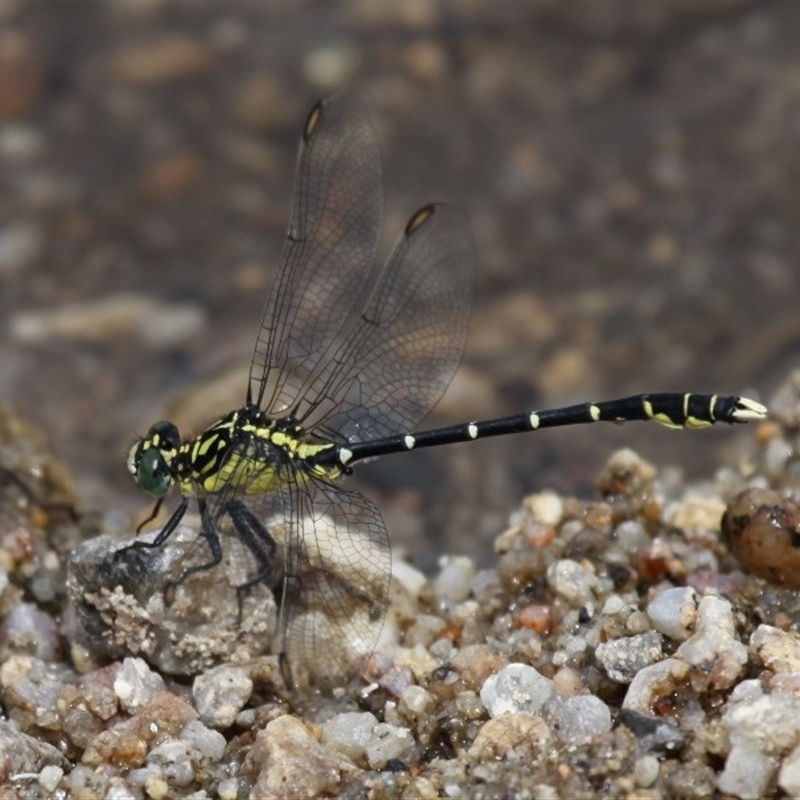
[
  {"x": 152, "y": 472},
  {"x": 150, "y": 458}
]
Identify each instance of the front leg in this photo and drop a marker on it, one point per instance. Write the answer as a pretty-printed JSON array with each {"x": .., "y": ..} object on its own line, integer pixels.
[{"x": 164, "y": 534}]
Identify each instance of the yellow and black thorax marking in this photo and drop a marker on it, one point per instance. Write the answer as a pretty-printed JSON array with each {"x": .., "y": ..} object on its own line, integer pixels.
[{"x": 249, "y": 452}]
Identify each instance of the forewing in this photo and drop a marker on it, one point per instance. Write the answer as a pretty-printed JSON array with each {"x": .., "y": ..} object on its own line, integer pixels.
[
  {"x": 331, "y": 245},
  {"x": 399, "y": 355}
]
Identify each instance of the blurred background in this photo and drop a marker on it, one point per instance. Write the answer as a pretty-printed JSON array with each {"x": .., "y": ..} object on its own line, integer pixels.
[{"x": 630, "y": 170}]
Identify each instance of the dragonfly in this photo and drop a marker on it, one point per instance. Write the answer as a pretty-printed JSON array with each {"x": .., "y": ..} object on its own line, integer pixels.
[{"x": 351, "y": 355}]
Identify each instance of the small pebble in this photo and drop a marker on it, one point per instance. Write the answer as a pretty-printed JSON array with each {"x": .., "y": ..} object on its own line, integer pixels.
[
  {"x": 697, "y": 513},
  {"x": 416, "y": 702},
  {"x": 388, "y": 742},
  {"x": 747, "y": 773},
  {"x": 638, "y": 622},
  {"x": 350, "y": 734},
  {"x": 418, "y": 660},
  {"x": 28, "y": 629},
  {"x": 652, "y": 683},
  {"x": 714, "y": 648},
  {"x": 580, "y": 717},
  {"x": 474, "y": 663},
  {"x": 631, "y": 536},
  {"x": 761, "y": 529},
  {"x": 115, "y": 316},
  {"x": 572, "y": 581},
  {"x": 789, "y": 773},
  {"x": 424, "y": 630},
  {"x": 50, "y": 777},
  {"x": 329, "y": 67},
  {"x": 208, "y": 742},
  {"x": 614, "y": 605},
  {"x": 654, "y": 735},
  {"x": 761, "y": 730},
  {"x": 770, "y": 723},
  {"x": 622, "y": 659},
  {"x": 570, "y": 649},
  {"x": 510, "y": 737},
  {"x": 454, "y": 581},
  {"x": 778, "y": 650},
  {"x": 84, "y": 781},
  {"x": 136, "y": 684},
  {"x": 645, "y": 771},
  {"x": 673, "y": 612},
  {"x": 567, "y": 681},
  {"x": 518, "y": 689},
  {"x": 410, "y": 578},
  {"x": 175, "y": 757},
  {"x": 220, "y": 694},
  {"x": 156, "y": 787},
  {"x": 228, "y": 789},
  {"x": 289, "y": 761},
  {"x": 469, "y": 705},
  {"x": 545, "y": 507},
  {"x": 537, "y": 617},
  {"x": 486, "y": 584},
  {"x": 396, "y": 680}
]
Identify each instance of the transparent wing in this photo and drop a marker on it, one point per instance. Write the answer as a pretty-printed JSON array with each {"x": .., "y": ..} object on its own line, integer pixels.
[
  {"x": 355, "y": 351},
  {"x": 394, "y": 360},
  {"x": 323, "y": 550},
  {"x": 333, "y": 238},
  {"x": 337, "y": 575}
]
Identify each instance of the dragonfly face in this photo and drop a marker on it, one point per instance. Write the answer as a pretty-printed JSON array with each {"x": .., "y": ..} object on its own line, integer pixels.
[{"x": 150, "y": 459}]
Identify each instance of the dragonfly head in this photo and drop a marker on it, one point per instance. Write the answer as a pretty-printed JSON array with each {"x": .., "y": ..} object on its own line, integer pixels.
[{"x": 150, "y": 458}]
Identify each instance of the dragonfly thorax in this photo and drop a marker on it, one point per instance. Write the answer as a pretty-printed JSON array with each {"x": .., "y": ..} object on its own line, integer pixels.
[{"x": 246, "y": 449}]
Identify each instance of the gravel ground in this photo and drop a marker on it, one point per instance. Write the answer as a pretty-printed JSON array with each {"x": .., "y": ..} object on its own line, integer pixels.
[
  {"x": 613, "y": 646},
  {"x": 630, "y": 171}
]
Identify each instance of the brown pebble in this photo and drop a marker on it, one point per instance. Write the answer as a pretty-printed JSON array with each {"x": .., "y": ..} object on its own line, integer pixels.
[
  {"x": 651, "y": 565},
  {"x": 537, "y": 617},
  {"x": 163, "y": 59},
  {"x": 539, "y": 535},
  {"x": 475, "y": 663},
  {"x": 510, "y": 737},
  {"x": 127, "y": 742},
  {"x": 625, "y": 473},
  {"x": 172, "y": 176},
  {"x": 21, "y": 75},
  {"x": 289, "y": 761},
  {"x": 762, "y": 530}
]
